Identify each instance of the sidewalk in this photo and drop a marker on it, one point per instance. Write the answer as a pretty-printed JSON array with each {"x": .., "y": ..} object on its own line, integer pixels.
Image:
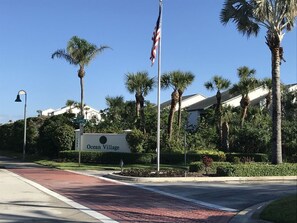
[{"x": 22, "y": 202}]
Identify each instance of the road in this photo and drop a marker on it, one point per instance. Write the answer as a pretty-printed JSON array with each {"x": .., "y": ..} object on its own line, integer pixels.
[
  {"x": 111, "y": 201},
  {"x": 228, "y": 195}
]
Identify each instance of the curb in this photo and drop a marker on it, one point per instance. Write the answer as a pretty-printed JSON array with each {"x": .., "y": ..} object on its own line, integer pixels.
[
  {"x": 115, "y": 176},
  {"x": 251, "y": 214}
]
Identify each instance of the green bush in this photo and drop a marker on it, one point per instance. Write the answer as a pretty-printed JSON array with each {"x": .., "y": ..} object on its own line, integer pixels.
[
  {"x": 136, "y": 141},
  {"x": 254, "y": 136},
  {"x": 200, "y": 167},
  {"x": 289, "y": 141},
  {"x": 63, "y": 137},
  {"x": 225, "y": 171},
  {"x": 257, "y": 169},
  {"x": 140, "y": 172},
  {"x": 179, "y": 158},
  {"x": 108, "y": 158},
  {"x": 256, "y": 157},
  {"x": 55, "y": 134}
]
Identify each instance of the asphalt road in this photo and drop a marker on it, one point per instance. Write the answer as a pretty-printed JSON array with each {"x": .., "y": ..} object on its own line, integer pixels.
[{"x": 234, "y": 195}]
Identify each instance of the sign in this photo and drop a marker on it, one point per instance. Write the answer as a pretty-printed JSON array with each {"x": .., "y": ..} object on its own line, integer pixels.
[
  {"x": 103, "y": 142},
  {"x": 80, "y": 120}
]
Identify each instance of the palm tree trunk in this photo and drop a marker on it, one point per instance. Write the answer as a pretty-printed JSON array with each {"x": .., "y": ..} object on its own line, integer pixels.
[
  {"x": 219, "y": 117},
  {"x": 276, "y": 106},
  {"x": 244, "y": 103},
  {"x": 81, "y": 96},
  {"x": 174, "y": 100},
  {"x": 225, "y": 136},
  {"x": 137, "y": 100},
  {"x": 244, "y": 111},
  {"x": 179, "y": 110},
  {"x": 142, "y": 116}
]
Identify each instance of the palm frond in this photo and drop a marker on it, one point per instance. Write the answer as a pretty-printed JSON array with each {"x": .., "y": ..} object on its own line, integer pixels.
[
  {"x": 208, "y": 85},
  {"x": 63, "y": 54},
  {"x": 241, "y": 13}
]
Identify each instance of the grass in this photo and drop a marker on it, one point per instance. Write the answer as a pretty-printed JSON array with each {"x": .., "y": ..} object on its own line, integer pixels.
[
  {"x": 86, "y": 166},
  {"x": 282, "y": 210},
  {"x": 75, "y": 166}
]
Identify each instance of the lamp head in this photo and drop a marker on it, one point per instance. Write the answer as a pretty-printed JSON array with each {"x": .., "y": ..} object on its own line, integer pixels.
[{"x": 18, "y": 98}]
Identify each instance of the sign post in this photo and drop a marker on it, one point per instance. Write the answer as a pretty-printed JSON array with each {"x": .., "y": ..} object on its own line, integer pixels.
[{"x": 81, "y": 121}]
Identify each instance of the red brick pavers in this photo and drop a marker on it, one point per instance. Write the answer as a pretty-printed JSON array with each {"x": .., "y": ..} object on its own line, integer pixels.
[{"x": 122, "y": 203}]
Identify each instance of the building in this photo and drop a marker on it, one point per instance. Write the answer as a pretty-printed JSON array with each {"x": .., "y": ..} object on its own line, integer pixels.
[
  {"x": 89, "y": 112},
  {"x": 187, "y": 101},
  {"x": 257, "y": 97}
]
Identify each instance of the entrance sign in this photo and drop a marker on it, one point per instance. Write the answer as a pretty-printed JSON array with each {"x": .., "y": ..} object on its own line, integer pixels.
[{"x": 102, "y": 142}]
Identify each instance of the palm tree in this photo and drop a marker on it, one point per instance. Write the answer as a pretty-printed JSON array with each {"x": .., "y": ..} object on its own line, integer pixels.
[
  {"x": 186, "y": 79},
  {"x": 219, "y": 83},
  {"x": 115, "y": 105},
  {"x": 140, "y": 84},
  {"x": 70, "y": 104},
  {"x": 79, "y": 52},
  {"x": 178, "y": 81},
  {"x": 246, "y": 83},
  {"x": 277, "y": 16}
]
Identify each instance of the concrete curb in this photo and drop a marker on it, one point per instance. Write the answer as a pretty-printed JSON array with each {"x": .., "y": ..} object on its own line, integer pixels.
[
  {"x": 251, "y": 214},
  {"x": 200, "y": 179}
]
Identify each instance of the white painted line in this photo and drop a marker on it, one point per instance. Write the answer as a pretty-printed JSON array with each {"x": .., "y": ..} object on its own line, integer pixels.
[
  {"x": 202, "y": 203},
  {"x": 205, "y": 204},
  {"x": 88, "y": 211}
]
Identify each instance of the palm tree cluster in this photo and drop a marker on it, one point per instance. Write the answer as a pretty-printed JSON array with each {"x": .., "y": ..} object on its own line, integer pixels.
[{"x": 276, "y": 16}]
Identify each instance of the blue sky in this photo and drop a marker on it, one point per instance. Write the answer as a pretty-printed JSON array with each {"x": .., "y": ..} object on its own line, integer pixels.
[{"x": 193, "y": 39}]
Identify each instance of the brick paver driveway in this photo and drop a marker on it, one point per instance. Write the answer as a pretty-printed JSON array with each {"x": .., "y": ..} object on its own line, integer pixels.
[{"x": 120, "y": 202}]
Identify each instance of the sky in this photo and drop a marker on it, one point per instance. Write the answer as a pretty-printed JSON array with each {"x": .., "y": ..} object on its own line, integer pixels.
[{"x": 193, "y": 39}]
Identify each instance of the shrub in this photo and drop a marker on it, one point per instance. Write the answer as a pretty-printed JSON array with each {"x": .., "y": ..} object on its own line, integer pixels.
[
  {"x": 225, "y": 170},
  {"x": 140, "y": 172},
  {"x": 200, "y": 167},
  {"x": 256, "y": 157},
  {"x": 256, "y": 169},
  {"x": 207, "y": 161},
  {"x": 135, "y": 140},
  {"x": 108, "y": 158},
  {"x": 254, "y": 136},
  {"x": 63, "y": 137}
]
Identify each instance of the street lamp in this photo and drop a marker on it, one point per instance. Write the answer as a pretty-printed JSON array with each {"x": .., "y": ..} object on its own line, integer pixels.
[{"x": 18, "y": 99}]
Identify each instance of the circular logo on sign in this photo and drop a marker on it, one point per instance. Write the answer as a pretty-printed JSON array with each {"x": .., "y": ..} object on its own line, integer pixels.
[{"x": 103, "y": 139}]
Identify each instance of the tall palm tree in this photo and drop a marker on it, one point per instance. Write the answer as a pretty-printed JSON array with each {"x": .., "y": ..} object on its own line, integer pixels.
[
  {"x": 178, "y": 81},
  {"x": 186, "y": 79},
  {"x": 79, "y": 52},
  {"x": 219, "y": 83},
  {"x": 276, "y": 16},
  {"x": 246, "y": 83},
  {"x": 140, "y": 84}
]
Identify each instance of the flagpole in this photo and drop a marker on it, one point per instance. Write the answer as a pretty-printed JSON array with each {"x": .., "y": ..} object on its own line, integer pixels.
[{"x": 159, "y": 91}]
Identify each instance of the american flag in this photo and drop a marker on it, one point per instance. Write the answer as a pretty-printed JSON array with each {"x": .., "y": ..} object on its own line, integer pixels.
[{"x": 156, "y": 37}]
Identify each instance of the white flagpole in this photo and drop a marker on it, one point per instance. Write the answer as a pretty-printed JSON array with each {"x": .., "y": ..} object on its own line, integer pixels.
[{"x": 159, "y": 90}]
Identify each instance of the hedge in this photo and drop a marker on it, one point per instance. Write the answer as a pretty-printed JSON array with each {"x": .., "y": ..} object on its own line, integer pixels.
[
  {"x": 200, "y": 167},
  {"x": 256, "y": 169},
  {"x": 107, "y": 158},
  {"x": 256, "y": 157},
  {"x": 134, "y": 158}
]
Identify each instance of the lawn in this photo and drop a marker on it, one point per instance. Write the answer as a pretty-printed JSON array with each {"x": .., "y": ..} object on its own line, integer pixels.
[
  {"x": 86, "y": 166},
  {"x": 283, "y": 210}
]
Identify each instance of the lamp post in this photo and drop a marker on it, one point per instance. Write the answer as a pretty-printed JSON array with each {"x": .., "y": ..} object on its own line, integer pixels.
[{"x": 18, "y": 99}]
